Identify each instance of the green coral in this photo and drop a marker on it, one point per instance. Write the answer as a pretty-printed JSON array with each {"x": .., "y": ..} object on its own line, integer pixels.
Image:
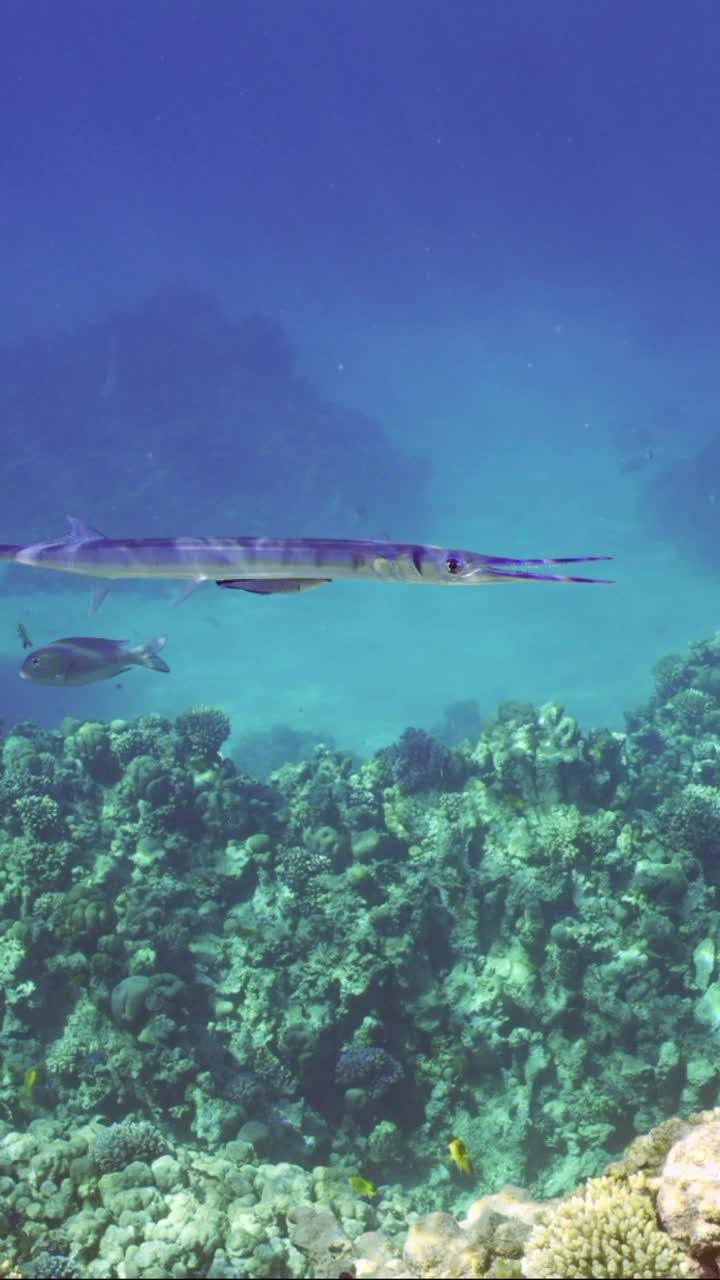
[
  {"x": 150, "y": 735},
  {"x": 40, "y": 817},
  {"x": 201, "y": 732},
  {"x": 694, "y": 818},
  {"x": 671, "y": 674},
  {"x": 89, "y": 743},
  {"x": 608, "y": 1229}
]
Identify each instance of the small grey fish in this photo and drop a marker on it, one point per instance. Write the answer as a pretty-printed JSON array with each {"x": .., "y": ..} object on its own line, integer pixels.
[{"x": 83, "y": 659}]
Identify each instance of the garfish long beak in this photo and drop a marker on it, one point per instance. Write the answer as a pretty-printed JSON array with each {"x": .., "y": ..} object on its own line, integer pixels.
[{"x": 502, "y": 569}]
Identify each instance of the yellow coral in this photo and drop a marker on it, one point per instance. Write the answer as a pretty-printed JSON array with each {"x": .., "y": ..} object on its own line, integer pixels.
[{"x": 608, "y": 1229}]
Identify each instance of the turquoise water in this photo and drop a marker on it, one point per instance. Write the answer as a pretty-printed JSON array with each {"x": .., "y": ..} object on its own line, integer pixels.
[{"x": 373, "y": 868}]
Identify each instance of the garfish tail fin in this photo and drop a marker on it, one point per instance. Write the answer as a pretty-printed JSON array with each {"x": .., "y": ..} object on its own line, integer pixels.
[
  {"x": 505, "y": 569},
  {"x": 148, "y": 654},
  {"x": 8, "y": 552}
]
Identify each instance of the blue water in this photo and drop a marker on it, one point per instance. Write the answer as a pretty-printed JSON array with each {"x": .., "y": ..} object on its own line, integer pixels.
[
  {"x": 430, "y": 272},
  {"x": 439, "y": 271}
]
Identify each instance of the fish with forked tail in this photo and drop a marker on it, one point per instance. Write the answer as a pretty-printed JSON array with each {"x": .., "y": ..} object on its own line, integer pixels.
[{"x": 84, "y": 659}]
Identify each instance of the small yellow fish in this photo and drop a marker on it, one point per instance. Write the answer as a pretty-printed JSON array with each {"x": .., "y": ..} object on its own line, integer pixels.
[
  {"x": 24, "y": 637},
  {"x": 362, "y": 1186},
  {"x": 460, "y": 1155},
  {"x": 31, "y": 1078}
]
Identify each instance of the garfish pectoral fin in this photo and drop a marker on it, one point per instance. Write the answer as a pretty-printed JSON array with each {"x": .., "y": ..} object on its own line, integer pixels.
[
  {"x": 271, "y": 586},
  {"x": 98, "y": 597},
  {"x": 188, "y": 590}
]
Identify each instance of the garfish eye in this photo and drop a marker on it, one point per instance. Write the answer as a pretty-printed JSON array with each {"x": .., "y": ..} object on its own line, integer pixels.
[
  {"x": 36, "y": 662},
  {"x": 453, "y": 565}
]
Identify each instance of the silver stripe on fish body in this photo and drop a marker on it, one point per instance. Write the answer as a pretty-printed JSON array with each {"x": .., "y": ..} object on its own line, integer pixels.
[{"x": 297, "y": 563}]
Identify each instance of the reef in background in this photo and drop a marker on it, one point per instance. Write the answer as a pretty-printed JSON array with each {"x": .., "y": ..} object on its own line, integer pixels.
[
  {"x": 678, "y": 499},
  {"x": 334, "y": 972},
  {"x": 133, "y": 394}
]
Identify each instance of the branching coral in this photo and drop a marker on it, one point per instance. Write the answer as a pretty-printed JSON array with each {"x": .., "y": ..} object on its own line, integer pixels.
[
  {"x": 608, "y": 1229},
  {"x": 201, "y": 732},
  {"x": 416, "y": 762},
  {"x": 119, "y": 1144},
  {"x": 372, "y": 1069}
]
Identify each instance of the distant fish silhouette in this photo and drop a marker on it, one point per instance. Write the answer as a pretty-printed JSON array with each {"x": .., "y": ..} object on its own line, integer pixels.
[
  {"x": 23, "y": 636},
  {"x": 638, "y": 461}
]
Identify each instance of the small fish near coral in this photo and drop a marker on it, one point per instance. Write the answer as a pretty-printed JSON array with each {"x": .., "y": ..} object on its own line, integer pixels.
[
  {"x": 460, "y": 1155},
  {"x": 84, "y": 659},
  {"x": 363, "y": 1186},
  {"x": 30, "y": 1079},
  {"x": 23, "y": 636}
]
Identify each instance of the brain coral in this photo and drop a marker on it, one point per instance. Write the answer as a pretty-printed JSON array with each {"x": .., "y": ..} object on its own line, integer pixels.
[
  {"x": 689, "y": 1196},
  {"x": 608, "y": 1228}
]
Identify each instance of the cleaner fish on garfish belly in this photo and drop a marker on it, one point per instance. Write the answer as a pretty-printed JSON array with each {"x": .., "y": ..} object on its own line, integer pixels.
[{"x": 272, "y": 566}]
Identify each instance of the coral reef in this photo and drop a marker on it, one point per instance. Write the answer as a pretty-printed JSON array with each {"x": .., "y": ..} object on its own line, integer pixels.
[
  {"x": 171, "y": 369},
  {"x": 242, "y": 1020},
  {"x": 608, "y": 1229},
  {"x": 689, "y": 1196},
  {"x": 227, "y": 1212}
]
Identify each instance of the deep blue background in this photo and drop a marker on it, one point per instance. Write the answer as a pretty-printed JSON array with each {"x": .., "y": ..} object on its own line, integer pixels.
[
  {"x": 573, "y": 145},
  {"x": 489, "y": 227}
]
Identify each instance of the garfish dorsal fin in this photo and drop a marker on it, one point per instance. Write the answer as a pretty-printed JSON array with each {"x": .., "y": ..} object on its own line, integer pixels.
[
  {"x": 271, "y": 586},
  {"x": 80, "y": 531}
]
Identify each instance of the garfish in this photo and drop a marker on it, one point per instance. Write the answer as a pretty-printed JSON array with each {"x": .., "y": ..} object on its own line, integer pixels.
[
  {"x": 272, "y": 566},
  {"x": 84, "y": 659}
]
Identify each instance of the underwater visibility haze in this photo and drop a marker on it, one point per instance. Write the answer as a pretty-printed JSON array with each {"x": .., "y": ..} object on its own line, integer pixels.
[{"x": 376, "y": 932}]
